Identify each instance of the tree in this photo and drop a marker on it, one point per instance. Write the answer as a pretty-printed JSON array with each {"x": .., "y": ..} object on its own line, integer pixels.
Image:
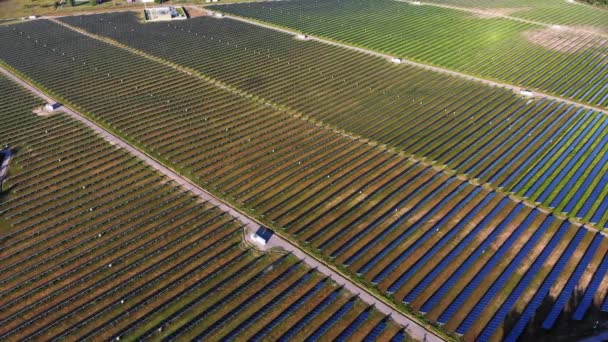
[{"x": 597, "y": 2}]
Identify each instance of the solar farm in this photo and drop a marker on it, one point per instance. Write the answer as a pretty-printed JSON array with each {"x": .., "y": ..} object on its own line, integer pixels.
[{"x": 428, "y": 171}]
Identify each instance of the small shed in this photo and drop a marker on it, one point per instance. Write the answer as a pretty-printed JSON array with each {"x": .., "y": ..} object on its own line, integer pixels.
[
  {"x": 261, "y": 236},
  {"x": 526, "y": 93},
  {"x": 258, "y": 239},
  {"x": 51, "y": 107}
]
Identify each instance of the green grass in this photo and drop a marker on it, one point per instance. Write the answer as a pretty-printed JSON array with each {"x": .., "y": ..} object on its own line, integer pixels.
[
  {"x": 5, "y": 226},
  {"x": 469, "y": 127},
  {"x": 246, "y": 151},
  {"x": 499, "y": 49},
  {"x": 164, "y": 241},
  {"x": 548, "y": 11}
]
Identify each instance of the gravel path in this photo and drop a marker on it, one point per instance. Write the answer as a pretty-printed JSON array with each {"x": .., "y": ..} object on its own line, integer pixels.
[{"x": 414, "y": 329}]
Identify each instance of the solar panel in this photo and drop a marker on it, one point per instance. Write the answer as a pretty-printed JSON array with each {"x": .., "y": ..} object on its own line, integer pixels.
[
  {"x": 459, "y": 300},
  {"x": 438, "y": 245},
  {"x": 288, "y": 336},
  {"x": 543, "y": 290},
  {"x": 332, "y": 320},
  {"x": 566, "y": 292},
  {"x": 447, "y": 285},
  {"x": 428, "y": 279},
  {"x": 354, "y": 326},
  {"x": 500, "y": 282},
  {"x": 506, "y": 307},
  {"x": 378, "y": 329}
]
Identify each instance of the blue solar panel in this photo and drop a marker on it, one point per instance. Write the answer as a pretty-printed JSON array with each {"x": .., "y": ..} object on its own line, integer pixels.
[
  {"x": 529, "y": 144},
  {"x": 427, "y": 235},
  {"x": 378, "y": 329},
  {"x": 560, "y": 162},
  {"x": 452, "y": 160},
  {"x": 545, "y": 145},
  {"x": 524, "y": 166},
  {"x": 599, "y": 275},
  {"x": 451, "y": 309},
  {"x": 565, "y": 88},
  {"x": 347, "y": 333},
  {"x": 490, "y": 265},
  {"x": 331, "y": 321},
  {"x": 288, "y": 336},
  {"x": 543, "y": 162},
  {"x": 347, "y": 244},
  {"x": 436, "y": 297},
  {"x": 421, "y": 204},
  {"x": 601, "y": 91},
  {"x": 486, "y": 114},
  {"x": 247, "y": 302},
  {"x": 399, "y": 336},
  {"x": 202, "y": 315},
  {"x": 583, "y": 168},
  {"x": 437, "y": 246},
  {"x": 264, "y": 309},
  {"x": 571, "y": 164},
  {"x": 428, "y": 279},
  {"x": 566, "y": 292},
  {"x": 498, "y": 284},
  {"x": 205, "y": 295},
  {"x": 603, "y": 208},
  {"x": 604, "y": 99},
  {"x": 293, "y": 307},
  {"x": 394, "y": 225},
  {"x": 375, "y": 208},
  {"x": 543, "y": 290},
  {"x": 411, "y": 168},
  {"x": 597, "y": 190},
  {"x": 508, "y": 304},
  {"x": 427, "y": 144}
]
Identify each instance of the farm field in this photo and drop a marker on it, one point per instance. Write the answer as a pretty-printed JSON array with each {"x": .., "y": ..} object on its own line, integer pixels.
[
  {"x": 113, "y": 249},
  {"x": 555, "y": 12},
  {"x": 474, "y": 259},
  {"x": 556, "y": 60},
  {"x": 539, "y": 149}
]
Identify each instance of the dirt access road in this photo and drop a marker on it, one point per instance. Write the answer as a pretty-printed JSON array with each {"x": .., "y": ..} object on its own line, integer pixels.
[{"x": 414, "y": 329}]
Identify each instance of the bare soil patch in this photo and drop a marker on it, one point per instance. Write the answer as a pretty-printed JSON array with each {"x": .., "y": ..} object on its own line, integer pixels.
[
  {"x": 195, "y": 11},
  {"x": 563, "y": 39},
  {"x": 40, "y": 111}
]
